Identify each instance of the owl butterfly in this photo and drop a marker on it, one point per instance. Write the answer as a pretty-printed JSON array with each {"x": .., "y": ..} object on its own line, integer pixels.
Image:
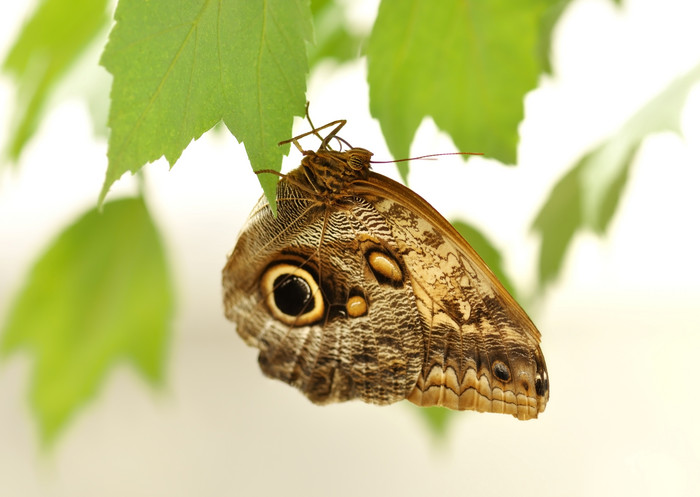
[{"x": 359, "y": 289}]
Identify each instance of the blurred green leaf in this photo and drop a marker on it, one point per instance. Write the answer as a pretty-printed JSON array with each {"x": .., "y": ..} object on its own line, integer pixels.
[
  {"x": 333, "y": 38},
  {"x": 100, "y": 295},
  {"x": 466, "y": 63},
  {"x": 488, "y": 252},
  {"x": 52, "y": 39},
  {"x": 438, "y": 420},
  {"x": 549, "y": 21},
  {"x": 557, "y": 222},
  {"x": 180, "y": 66},
  {"x": 318, "y": 6},
  {"x": 588, "y": 195}
]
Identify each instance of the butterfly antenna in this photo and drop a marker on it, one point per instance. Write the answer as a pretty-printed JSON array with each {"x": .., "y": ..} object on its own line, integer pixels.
[
  {"x": 333, "y": 134},
  {"x": 311, "y": 124},
  {"x": 270, "y": 171},
  {"x": 339, "y": 124},
  {"x": 429, "y": 156},
  {"x": 315, "y": 131}
]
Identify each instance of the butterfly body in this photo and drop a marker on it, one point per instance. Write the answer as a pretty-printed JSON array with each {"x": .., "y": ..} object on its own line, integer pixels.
[{"x": 360, "y": 289}]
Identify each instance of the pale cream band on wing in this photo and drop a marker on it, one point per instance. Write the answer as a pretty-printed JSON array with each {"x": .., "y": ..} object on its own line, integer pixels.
[{"x": 443, "y": 388}]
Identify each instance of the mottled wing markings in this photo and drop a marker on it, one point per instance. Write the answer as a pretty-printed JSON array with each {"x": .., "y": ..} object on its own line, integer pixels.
[
  {"x": 447, "y": 294},
  {"x": 428, "y": 322},
  {"x": 359, "y": 357}
]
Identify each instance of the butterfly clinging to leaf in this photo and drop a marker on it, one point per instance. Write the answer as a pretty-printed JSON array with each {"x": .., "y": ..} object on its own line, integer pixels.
[{"x": 359, "y": 289}]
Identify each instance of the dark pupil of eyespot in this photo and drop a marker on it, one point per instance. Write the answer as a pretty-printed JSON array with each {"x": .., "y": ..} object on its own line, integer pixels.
[
  {"x": 292, "y": 294},
  {"x": 501, "y": 372}
]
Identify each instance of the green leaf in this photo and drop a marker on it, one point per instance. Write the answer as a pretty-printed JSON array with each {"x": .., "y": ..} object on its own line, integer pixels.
[
  {"x": 488, "y": 252},
  {"x": 333, "y": 38},
  {"x": 180, "y": 66},
  {"x": 588, "y": 195},
  {"x": 100, "y": 295},
  {"x": 557, "y": 222},
  {"x": 548, "y": 23},
  {"x": 466, "y": 63},
  {"x": 438, "y": 420},
  {"x": 50, "y": 42}
]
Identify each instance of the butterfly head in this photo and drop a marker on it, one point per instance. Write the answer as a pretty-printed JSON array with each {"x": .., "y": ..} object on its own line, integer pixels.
[{"x": 329, "y": 172}]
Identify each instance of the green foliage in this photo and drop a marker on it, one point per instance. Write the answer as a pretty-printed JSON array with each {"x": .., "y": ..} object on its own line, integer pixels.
[
  {"x": 181, "y": 66},
  {"x": 468, "y": 64},
  {"x": 588, "y": 195},
  {"x": 52, "y": 39},
  {"x": 547, "y": 24},
  {"x": 99, "y": 295},
  {"x": 437, "y": 419},
  {"x": 333, "y": 38}
]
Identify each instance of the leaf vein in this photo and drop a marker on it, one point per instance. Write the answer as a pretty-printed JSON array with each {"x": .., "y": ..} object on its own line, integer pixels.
[{"x": 127, "y": 140}]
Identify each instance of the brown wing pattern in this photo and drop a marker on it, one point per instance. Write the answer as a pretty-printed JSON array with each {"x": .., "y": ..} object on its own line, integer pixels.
[
  {"x": 375, "y": 356},
  {"x": 360, "y": 289},
  {"x": 481, "y": 350}
]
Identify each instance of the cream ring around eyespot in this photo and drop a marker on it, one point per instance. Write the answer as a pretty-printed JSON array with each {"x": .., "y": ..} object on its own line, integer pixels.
[{"x": 267, "y": 286}]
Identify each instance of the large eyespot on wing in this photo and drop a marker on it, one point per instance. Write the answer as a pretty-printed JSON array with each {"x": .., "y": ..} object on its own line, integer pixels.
[{"x": 292, "y": 294}]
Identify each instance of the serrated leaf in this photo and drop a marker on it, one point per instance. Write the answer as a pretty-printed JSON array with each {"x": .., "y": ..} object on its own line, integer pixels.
[
  {"x": 180, "y": 66},
  {"x": 466, "y": 63},
  {"x": 488, "y": 252},
  {"x": 52, "y": 39},
  {"x": 588, "y": 195},
  {"x": 100, "y": 295}
]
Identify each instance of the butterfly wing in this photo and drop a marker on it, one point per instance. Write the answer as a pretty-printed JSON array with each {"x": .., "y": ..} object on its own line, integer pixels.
[
  {"x": 302, "y": 289},
  {"x": 375, "y": 296},
  {"x": 481, "y": 350}
]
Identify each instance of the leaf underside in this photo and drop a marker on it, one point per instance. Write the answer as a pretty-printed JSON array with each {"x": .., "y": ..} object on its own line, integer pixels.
[
  {"x": 587, "y": 197},
  {"x": 56, "y": 34},
  {"x": 200, "y": 62},
  {"x": 471, "y": 79},
  {"x": 100, "y": 295}
]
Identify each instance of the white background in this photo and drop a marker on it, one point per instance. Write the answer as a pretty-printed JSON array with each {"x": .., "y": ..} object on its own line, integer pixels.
[{"x": 620, "y": 330}]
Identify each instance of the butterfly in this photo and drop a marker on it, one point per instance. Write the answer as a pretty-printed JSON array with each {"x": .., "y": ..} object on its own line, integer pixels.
[{"x": 359, "y": 289}]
